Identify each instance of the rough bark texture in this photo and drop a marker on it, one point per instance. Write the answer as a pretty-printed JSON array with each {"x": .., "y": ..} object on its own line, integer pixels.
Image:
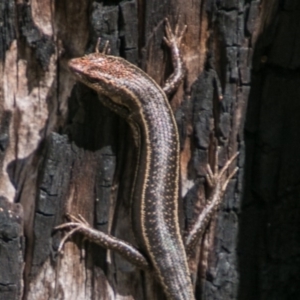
[{"x": 62, "y": 151}]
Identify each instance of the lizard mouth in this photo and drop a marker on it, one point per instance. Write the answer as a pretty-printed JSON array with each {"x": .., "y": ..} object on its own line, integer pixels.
[
  {"x": 74, "y": 68},
  {"x": 73, "y": 64},
  {"x": 77, "y": 64}
]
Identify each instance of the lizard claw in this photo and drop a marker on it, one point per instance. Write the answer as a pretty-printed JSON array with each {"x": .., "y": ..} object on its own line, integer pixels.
[
  {"x": 173, "y": 39},
  {"x": 76, "y": 223},
  {"x": 216, "y": 176},
  {"x": 106, "y": 48}
]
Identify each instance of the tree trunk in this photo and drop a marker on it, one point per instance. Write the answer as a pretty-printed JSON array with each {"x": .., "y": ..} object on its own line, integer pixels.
[{"x": 62, "y": 151}]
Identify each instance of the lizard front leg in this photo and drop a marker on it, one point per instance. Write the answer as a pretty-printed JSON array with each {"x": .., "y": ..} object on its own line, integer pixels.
[{"x": 173, "y": 41}]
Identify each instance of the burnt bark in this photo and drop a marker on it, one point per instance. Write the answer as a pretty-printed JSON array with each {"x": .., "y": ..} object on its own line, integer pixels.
[{"x": 62, "y": 151}]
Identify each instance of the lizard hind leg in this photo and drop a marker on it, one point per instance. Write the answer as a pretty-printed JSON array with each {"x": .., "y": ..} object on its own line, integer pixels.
[
  {"x": 80, "y": 225},
  {"x": 218, "y": 181}
]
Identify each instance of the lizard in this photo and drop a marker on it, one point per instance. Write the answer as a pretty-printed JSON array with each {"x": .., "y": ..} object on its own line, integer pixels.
[{"x": 137, "y": 98}]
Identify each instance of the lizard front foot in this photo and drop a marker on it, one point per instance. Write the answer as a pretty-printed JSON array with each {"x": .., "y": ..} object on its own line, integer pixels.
[{"x": 173, "y": 41}]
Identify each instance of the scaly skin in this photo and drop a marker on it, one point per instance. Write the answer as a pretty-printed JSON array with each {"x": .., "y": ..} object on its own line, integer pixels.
[{"x": 136, "y": 97}]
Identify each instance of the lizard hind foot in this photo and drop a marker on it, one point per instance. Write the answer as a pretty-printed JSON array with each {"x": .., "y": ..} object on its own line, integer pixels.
[
  {"x": 76, "y": 223},
  {"x": 220, "y": 177}
]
